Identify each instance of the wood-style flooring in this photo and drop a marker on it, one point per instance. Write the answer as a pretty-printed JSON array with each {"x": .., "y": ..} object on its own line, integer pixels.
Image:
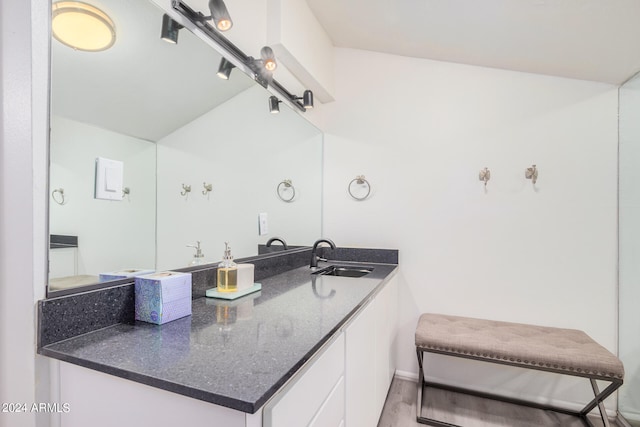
[{"x": 468, "y": 411}]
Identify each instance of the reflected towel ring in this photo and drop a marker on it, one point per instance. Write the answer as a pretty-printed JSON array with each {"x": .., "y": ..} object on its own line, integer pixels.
[
  {"x": 360, "y": 180},
  {"x": 60, "y": 199},
  {"x": 286, "y": 185}
]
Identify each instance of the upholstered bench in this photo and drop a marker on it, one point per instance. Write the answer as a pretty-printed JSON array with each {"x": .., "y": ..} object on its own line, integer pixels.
[{"x": 561, "y": 351}]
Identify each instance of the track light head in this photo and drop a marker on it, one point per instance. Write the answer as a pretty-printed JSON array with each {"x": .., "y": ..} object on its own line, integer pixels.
[
  {"x": 268, "y": 58},
  {"x": 307, "y": 99},
  {"x": 220, "y": 15},
  {"x": 224, "y": 70},
  {"x": 274, "y": 107},
  {"x": 170, "y": 29}
]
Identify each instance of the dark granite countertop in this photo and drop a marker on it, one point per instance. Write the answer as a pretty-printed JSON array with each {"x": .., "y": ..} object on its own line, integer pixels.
[{"x": 232, "y": 353}]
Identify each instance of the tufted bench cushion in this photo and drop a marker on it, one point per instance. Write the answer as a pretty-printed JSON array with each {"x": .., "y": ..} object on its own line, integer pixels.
[
  {"x": 565, "y": 351},
  {"x": 561, "y": 351}
]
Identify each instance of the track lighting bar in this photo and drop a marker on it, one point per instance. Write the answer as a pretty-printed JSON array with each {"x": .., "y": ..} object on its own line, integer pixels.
[{"x": 232, "y": 52}]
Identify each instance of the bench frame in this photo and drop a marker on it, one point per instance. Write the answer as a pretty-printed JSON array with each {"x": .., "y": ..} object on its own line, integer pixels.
[{"x": 599, "y": 396}]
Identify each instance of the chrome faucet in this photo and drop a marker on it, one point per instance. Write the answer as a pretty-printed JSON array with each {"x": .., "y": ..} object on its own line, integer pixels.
[
  {"x": 277, "y": 239},
  {"x": 315, "y": 258}
]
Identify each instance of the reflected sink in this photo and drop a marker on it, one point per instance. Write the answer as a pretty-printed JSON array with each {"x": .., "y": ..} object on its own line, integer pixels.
[{"x": 343, "y": 271}]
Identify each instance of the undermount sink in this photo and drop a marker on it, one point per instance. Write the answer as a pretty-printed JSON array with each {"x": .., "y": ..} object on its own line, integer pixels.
[{"x": 343, "y": 271}]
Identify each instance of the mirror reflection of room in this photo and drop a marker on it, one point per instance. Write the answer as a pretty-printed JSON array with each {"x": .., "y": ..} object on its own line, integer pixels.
[{"x": 158, "y": 109}]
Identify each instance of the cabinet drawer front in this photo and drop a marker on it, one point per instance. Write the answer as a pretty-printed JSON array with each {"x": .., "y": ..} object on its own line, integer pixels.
[
  {"x": 298, "y": 402},
  {"x": 332, "y": 411}
]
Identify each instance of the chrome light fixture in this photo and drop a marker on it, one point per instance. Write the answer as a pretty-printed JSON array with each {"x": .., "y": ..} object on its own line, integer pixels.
[
  {"x": 220, "y": 15},
  {"x": 82, "y": 26},
  {"x": 274, "y": 107},
  {"x": 263, "y": 68},
  {"x": 307, "y": 99},
  {"x": 268, "y": 59},
  {"x": 170, "y": 29},
  {"x": 224, "y": 70}
]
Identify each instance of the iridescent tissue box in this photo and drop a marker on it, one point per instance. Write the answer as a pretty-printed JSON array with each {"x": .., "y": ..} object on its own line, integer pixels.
[
  {"x": 163, "y": 297},
  {"x": 124, "y": 274}
]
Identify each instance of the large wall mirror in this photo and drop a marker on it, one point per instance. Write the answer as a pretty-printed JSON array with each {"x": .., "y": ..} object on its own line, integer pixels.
[
  {"x": 629, "y": 241},
  {"x": 160, "y": 110}
]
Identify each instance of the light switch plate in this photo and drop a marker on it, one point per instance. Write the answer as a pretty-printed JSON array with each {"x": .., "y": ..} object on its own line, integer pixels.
[
  {"x": 263, "y": 224},
  {"x": 109, "y": 178}
]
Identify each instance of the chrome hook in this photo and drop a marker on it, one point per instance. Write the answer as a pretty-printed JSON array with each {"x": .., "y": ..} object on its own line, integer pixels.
[
  {"x": 532, "y": 174},
  {"x": 186, "y": 189},
  {"x": 207, "y": 188},
  {"x": 485, "y": 175},
  {"x": 59, "y": 191}
]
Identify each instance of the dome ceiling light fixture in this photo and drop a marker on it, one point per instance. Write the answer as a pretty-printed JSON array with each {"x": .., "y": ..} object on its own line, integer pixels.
[{"x": 82, "y": 26}]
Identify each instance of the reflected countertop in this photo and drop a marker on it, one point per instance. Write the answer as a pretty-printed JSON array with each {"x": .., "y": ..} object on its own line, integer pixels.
[{"x": 232, "y": 353}]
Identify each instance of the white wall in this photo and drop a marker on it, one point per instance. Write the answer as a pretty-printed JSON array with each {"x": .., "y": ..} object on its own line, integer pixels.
[
  {"x": 112, "y": 235},
  {"x": 421, "y": 131},
  {"x": 629, "y": 206},
  {"x": 244, "y": 152},
  {"x": 23, "y": 197}
]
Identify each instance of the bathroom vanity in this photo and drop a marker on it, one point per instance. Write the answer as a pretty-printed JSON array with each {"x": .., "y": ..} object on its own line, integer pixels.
[{"x": 305, "y": 350}]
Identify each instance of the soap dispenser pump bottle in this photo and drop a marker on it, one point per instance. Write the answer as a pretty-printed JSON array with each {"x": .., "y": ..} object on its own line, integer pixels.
[
  {"x": 198, "y": 258},
  {"x": 227, "y": 272}
]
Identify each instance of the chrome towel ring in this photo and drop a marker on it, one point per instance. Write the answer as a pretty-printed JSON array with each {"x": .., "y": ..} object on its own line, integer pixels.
[
  {"x": 359, "y": 180},
  {"x": 284, "y": 187}
]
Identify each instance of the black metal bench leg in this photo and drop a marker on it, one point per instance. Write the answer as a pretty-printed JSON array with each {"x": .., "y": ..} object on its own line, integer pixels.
[
  {"x": 420, "y": 385},
  {"x": 598, "y": 398}
]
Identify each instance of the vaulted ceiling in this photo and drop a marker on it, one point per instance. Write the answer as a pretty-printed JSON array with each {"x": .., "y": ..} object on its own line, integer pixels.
[{"x": 595, "y": 40}]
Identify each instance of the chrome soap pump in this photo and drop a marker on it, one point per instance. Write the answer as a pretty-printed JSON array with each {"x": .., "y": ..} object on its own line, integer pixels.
[
  {"x": 227, "y": 272},
  {"x": 198, "y": 258}
]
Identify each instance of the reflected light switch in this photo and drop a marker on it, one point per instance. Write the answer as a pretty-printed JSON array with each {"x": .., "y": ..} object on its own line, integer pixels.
[
  {"x": 109, "y": 178},
  {"x": 263, "y": 224},
  {"x": 113, "y": 179}
]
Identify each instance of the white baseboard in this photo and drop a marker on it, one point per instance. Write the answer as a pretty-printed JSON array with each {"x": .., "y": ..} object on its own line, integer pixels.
[{"x": 406, "y": 375}]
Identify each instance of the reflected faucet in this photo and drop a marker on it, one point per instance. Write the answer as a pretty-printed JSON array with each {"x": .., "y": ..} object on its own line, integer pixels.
[
  {"x": 277, "y": 239},
  {"x": 314, "y": 278},
  {"x": 315, "y": 258}
]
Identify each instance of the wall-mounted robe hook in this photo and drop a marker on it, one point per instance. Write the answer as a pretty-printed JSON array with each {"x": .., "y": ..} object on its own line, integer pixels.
[
  {"x": 485, "y": 175},
  {"x": 532, "y": 174},
  {"x": 126, "y": 191},
  {"x": 284, "y": 187},
  {"x": 207, "y": 188},
  {"x": 58, "y": 196},
  {"x": 360, "y": 180},
  {"x": 186, "y": 189}
]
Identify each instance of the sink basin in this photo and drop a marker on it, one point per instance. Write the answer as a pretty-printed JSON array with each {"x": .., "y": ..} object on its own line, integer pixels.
[{"x": 343, "y": 271}]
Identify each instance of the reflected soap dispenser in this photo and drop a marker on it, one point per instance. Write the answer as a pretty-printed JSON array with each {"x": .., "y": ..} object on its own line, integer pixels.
[
  {"x": 198, "y": 258},
  {"x": 227, "y": 272}
]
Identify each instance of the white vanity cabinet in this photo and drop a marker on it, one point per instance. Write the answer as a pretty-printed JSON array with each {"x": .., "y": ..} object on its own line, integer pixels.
[
  {"x": 348, "y": 384},
  {"x": 97, "y": 399},
  {"x": 370, "y": 358},
  {"x": 316, "y": 396},
  {"x": 344, "y": 385}
]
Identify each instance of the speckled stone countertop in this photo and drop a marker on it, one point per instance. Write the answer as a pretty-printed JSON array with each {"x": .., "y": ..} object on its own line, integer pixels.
[{"x": 232, "y": 353}]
